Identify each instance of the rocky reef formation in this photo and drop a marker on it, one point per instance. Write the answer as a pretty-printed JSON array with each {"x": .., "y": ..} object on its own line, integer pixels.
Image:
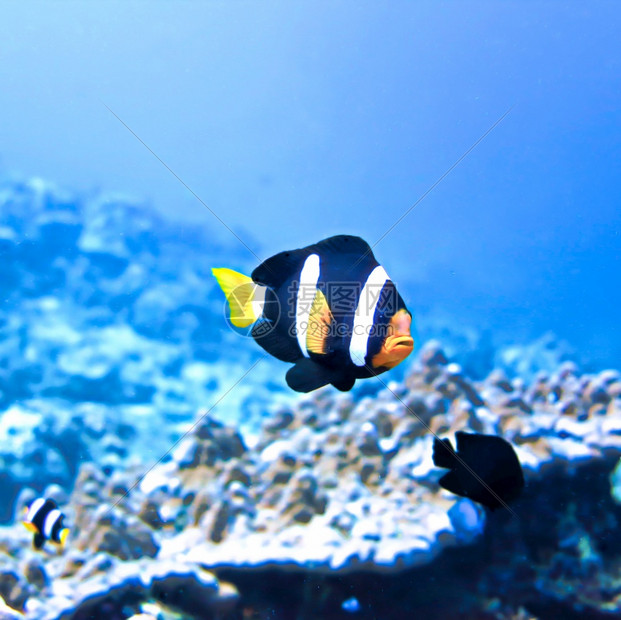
[
  {"x": 338, "y": 501},
  {"x": 111, "y": 335},
  {"x": 269, "y": 505}
]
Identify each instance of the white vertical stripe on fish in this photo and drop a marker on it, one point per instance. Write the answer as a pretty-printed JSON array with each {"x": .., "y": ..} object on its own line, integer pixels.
[
  {"x": 365, "y": 311},
  {"x": 34, "y": 508},
  {"x": 307, "y": 289},
  {"x": 49, "y": 523}
]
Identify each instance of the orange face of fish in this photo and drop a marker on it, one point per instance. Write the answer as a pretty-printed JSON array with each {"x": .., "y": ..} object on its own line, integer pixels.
[{"x": 398, "y": 343}]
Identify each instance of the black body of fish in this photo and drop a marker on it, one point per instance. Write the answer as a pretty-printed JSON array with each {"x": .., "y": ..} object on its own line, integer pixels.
[{"x": 485, "y": 468}]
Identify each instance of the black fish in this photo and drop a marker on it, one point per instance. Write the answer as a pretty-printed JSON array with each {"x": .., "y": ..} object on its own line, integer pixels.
[
  {"x": 45, "y": 521},
  {"x": 491, "y": 458},
  {"x": 328, "y": 308}
]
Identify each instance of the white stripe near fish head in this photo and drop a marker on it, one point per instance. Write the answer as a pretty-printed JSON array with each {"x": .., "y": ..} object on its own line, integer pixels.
[
  {"x": 50, "y": 521},
  {"x": 34, "y": 508},
  {"x": 307, "y": 289},
  {"x": 365, "y": 313}
]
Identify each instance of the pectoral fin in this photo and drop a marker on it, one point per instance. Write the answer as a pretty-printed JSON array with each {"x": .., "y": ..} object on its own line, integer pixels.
[
  {"x": 308, "y": 375},
  {"x": 344, "y": 384}
]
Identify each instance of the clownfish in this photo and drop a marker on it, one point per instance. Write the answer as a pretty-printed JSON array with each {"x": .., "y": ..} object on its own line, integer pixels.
[
  {"x": 329, "y": 308},
  {"x": 45, "y": 521}
]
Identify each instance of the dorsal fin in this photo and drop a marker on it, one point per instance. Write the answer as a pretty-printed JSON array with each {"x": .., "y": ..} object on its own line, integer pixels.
[
  {"x": 319, "y": 322},
  {"x": 443, "y": 453},
  {"x": 345, "y": 244},
  {"x": 274, "y": 271}
]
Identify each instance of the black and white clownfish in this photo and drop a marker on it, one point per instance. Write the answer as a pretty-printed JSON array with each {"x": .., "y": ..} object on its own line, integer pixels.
[
  {"x": 485, "y": 468},
  {"x": 45, "y": 521},
  {"x": 329, "y": 308}
]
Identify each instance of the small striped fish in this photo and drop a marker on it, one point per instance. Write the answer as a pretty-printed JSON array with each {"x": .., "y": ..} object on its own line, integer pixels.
[{"x": 45, "y": 521}]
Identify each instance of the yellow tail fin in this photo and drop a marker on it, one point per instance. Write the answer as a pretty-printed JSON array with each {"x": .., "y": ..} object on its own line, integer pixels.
[
  {"x": 240, "y": 292},
  {"x": 63, "y": 535}
]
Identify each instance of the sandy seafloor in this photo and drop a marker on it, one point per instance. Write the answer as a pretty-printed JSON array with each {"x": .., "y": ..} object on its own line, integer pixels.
[{"x": 196, "y": 485}]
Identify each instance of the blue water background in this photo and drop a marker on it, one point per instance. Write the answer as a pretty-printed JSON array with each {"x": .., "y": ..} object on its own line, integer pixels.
[{"x": 295, "y": 121}]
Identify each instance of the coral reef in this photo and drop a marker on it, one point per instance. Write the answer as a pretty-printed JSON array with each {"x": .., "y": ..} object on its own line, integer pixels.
[
  {"x": 270, "y": 505},
  {"x": 107, "y": 589},
  {"x": 110, "y": 336},
  {"x": 338, "y": 489}
]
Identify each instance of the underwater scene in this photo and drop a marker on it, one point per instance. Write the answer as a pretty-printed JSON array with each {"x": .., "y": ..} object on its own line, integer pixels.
[{"x": 310, "y": 310}]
